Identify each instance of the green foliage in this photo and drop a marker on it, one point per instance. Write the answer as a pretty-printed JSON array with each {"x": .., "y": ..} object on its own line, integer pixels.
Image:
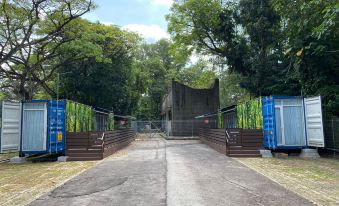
[
  {"x": 3, "y": 96},
  {"x": 220, "y": 120},
  {"x": 156, "y": 89},
  {"x": 79, "y": 117},
  {"x": 230, "y": 91},
  {"x": 249, "y": 114},
  {"x": 31, "y": 32},
  {"x": 201, "y": 24},
  {"x": 70, "y": 116},
  {"x": 105, "y": 74},
  {"x": 312, "y": 47},
  {"x": 243, "y": 35},
  {"x": 110, "y": 122},
  {"x": 157, "y": 66},
  {"x": 262, "y": 47},
  {"x": 198, "y": 75},
  {"x": 262, "y": 52},
  {"x": 275, "y": 47}
]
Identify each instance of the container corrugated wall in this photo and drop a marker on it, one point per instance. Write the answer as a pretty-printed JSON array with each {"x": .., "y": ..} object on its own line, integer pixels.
[
  {"x": 10, "y": 118},
  {"x": 34, "y": 127},
  {"x": 43, "y": 127},
  {"x": 292, "y": 122},
  {"x": 269, "y": 122},
  {"x": 284, "y": 123},
  {"x": 56, "y": 126}
]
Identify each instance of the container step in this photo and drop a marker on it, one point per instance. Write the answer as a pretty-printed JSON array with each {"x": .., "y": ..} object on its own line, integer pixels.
[
  {"x": 84, "y": 158},
  {"x": 244, "y": 148},
  {"x": 244, "y": 151},
  {"x": 73, "y": 151},
  {"x": 244, "y": 155},
  {"x": 84, "y": 154}
]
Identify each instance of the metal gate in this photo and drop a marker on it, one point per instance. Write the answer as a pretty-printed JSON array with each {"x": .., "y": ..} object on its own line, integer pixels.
[
  {"x": 10, "y": 131},
  {"x": 149, "y": 128},
  {"x": 185, "y": 129}
]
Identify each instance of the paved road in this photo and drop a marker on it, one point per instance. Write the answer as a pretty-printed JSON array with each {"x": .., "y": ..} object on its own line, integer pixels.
[{"x": 159, "y": 172}]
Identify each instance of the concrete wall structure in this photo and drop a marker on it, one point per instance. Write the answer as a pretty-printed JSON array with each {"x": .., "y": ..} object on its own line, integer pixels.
[{"x": 183, "y": 103}]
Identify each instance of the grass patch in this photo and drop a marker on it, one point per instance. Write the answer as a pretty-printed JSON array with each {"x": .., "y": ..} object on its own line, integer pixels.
[
  {"x": 8, "y": 155},
  {"x": 313, "y": 179},
  {"x": 22, "y": 183}
]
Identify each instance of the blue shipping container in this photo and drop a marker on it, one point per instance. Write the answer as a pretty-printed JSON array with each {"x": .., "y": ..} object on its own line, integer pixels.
[
  {"x": 43, "y": 128},
  {"x": 284, "y": 122}
]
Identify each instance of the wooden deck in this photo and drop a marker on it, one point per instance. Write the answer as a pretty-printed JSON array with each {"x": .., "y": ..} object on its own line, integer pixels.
[
  {"x": 234, "y": 142},
  {"x": 82, "y": 146}
]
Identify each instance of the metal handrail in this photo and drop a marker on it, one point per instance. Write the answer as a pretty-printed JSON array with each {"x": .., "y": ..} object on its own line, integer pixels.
[
  {"x": 227, "y": 141},
  {"x": 227, "y": 137},
  {"x": 102, "y": 140}
]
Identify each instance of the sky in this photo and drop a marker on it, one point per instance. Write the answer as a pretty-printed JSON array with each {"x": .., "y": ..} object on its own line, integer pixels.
[{"x": 146, "y": 17}]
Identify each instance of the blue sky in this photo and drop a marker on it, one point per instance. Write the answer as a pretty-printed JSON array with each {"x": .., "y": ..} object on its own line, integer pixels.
[{"x": 146, "y": 17}]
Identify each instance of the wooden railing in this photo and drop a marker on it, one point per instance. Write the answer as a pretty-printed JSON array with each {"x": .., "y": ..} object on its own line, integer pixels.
[
  {"x": 115, "y": 140},
  {"x": 233, "y": 142},
  {"x": 97, "y": 145},
  {"x": 251, "y": 138},
  {"x": 84, "y": 140},
  {"x": 215, "y": 138}
]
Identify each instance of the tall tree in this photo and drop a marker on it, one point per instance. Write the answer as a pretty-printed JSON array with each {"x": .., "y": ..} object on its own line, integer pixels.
[
  {"x": 161, "y": 64},
  {"x": 157, "y": 63},
  {"x": 104, "y": 74},
  {"x": 230, "y": 91},
  {"x": 245, "y": 35},
  {"x": 264, "y": 61},
  {"x": 30, "y": 34},
  {"x": 277, "y": 47},
  {"x": 199, "y": 75},
  {"x": 312, "y": 47},
  {"x": 207, "y": 26}
]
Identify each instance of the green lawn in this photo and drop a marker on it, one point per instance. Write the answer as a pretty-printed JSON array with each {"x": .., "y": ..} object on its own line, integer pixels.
[
  {"x": 314, "y": 179},
  {"x": 8, "y": 155},
  {"x": 22, "y": 183}
]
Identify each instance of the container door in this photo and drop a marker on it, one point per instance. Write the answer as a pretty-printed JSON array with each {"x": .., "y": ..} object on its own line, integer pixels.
[
  {"x": 10, "y": 132},
  {"x": 279, "y": 128},
  {"x": 34, "y": 127},
  {"x": 314, "y": 122},
  {"x": 293, "y": 129},
  {"x": 269, "y": 126},
  {"x": 56, "y": 126}
]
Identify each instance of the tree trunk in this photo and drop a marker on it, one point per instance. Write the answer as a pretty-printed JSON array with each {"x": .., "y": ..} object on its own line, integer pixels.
[{"x": 24, "y": 93}]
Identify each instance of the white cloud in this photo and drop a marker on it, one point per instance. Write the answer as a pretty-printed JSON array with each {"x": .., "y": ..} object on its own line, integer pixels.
[
  {"x": 149, "y": 32},
  {"x": 163, "y": 2}
]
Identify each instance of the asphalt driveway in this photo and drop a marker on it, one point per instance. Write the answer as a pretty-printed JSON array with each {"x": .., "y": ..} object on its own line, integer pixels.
[{"x": 175, "y": 172}]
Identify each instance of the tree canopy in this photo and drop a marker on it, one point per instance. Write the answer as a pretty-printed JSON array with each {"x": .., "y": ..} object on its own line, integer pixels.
[
  {"x": 255, "y": 48},
  {"x": 277, "y": 48},
  {"x": 30, "y": 34},
  {"x": 104, "y": 74}
]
